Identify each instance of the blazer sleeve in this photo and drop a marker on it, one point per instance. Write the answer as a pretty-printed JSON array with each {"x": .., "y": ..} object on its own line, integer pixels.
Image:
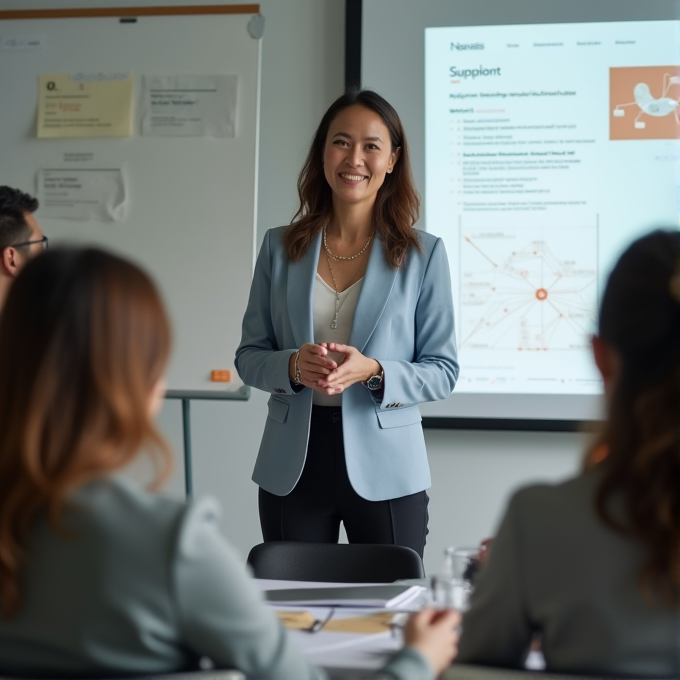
[
  {"x": 497, "y": 630},
  {"x": 220, "y": 610},
  {"x": 434, "y": 370},
  {"x": 222, "y": 615},
  {"x": 259, "y": 360}
]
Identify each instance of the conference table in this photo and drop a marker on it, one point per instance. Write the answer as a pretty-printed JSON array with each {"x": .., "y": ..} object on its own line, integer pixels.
[
  {"x": 342, "y": 645},
  {"x": 341, "y": 650}
]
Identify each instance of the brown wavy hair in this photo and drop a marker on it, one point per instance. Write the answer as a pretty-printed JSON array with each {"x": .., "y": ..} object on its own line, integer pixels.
[
  {"x": 84, "y": 339},
  {"x": 640, "y": 320},
  {"x": 397, "y": 204}
]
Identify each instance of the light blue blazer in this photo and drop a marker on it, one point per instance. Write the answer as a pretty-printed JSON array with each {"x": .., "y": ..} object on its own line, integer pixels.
[{"x": 403, "y": 319}]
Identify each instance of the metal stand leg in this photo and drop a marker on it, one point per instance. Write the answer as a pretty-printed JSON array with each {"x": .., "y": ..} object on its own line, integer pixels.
[{"x": 186, "y": 426}]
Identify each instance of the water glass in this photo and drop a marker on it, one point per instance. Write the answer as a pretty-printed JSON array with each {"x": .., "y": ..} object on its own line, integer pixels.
[
  {"x": 461, "y": 565},
  {"x": 443, "y": 591}
]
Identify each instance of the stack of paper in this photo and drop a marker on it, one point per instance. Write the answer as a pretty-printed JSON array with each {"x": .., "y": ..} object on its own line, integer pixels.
[{"x": 388, "y": 596}]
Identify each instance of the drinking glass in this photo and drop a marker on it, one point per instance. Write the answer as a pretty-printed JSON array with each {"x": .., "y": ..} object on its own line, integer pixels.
[
  {"x": 461, "y": 565},
  {"x": 442, "y": 591}
]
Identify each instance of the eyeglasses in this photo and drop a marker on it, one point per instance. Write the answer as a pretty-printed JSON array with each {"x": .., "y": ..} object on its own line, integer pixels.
[{"x": 44, "y": 241}]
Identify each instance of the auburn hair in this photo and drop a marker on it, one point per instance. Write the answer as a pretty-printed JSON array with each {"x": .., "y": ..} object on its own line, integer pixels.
[
  {"x": 640, "y": 320},
  {"x": 397, "y": 203},
  {"x": 84, "y": 339}
]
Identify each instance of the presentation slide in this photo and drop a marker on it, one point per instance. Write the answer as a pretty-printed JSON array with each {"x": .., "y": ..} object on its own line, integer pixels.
[
  {"x": 548, "y": 148},
  {"x": 542, "y": 146}
]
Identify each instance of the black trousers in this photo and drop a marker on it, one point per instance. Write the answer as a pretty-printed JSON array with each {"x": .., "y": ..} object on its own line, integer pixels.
[{"x": 324, "y": 497}]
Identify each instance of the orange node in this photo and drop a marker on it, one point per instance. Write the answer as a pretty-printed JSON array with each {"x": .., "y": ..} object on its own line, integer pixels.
[{"x": 541, "y": 294}]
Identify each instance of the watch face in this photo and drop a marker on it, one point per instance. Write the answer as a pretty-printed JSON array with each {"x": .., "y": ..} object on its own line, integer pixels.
[{"x": 374, "y": 382}]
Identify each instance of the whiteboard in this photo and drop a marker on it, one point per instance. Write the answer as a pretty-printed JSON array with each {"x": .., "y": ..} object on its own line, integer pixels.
[{"x": 191, "y": 214}]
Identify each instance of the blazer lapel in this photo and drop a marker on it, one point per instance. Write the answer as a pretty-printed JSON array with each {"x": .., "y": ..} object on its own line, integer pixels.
[
  {"x": 375, "y": 292},
  {"x": 301, "y": 293}
]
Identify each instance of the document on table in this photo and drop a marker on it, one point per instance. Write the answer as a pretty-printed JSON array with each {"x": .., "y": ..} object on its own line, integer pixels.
[
  {"x": 333, "y": 647},
  {"x": 388, "y": 595},
  {"x": 365, "y": 623}
]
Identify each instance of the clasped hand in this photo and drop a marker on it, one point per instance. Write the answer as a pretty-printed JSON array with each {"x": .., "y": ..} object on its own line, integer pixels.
[{"x": 325, "y": 374}]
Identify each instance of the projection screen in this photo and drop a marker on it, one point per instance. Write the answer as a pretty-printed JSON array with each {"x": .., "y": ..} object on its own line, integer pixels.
[{"x": 544, "y": 138}]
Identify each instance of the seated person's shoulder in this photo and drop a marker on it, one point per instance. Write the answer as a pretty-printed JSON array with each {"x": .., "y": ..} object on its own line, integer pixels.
[
  {"x": 572, "y": 494},
  {"x": 114, "y": 505}
]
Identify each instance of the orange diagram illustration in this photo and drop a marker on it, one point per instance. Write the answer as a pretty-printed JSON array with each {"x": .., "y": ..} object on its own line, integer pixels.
[
  {"x": 528, "y": 289},
  {"x": 644, "y": 102}
]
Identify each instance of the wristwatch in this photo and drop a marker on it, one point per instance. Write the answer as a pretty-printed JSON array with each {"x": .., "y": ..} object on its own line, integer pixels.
[{"x": 375, "y": 382}]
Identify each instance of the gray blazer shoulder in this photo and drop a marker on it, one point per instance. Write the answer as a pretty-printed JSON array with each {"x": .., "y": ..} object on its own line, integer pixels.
[
  {"x": 557, "y": 570},
  {"x": 143, "y": 584}
]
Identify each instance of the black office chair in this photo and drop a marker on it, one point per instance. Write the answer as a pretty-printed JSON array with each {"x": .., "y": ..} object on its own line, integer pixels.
[{"x": 343, "y": 563}]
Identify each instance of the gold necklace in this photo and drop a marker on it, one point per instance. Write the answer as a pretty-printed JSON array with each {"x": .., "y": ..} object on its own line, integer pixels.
[
  {"x": 334, "y": 323},
  {"x": 340, "y": 257}
]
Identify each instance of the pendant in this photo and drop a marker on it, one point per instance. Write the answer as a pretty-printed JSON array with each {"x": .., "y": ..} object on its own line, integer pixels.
[{"x": 334, "y": 324}]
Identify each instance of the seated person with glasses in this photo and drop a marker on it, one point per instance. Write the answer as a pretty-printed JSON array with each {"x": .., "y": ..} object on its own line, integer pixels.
[
  {"x": 99, "y": 577},
  {"x": 20, "y": 235}
]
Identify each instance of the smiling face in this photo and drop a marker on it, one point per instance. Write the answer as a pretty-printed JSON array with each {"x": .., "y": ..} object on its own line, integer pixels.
[{"x": 357, "y": 155}]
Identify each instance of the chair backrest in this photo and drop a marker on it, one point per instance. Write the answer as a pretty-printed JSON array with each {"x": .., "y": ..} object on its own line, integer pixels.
[{"x": 345, "y": 563}]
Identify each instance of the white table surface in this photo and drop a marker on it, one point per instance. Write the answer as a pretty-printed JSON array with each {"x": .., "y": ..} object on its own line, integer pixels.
[{"x": 333, "y": 649}]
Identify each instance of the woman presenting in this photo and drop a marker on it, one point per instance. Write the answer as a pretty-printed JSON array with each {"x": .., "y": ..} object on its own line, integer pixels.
[{"x": 349, "y": 326}]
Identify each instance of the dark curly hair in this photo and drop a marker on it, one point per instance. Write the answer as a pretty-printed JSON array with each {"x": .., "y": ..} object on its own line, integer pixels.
[{"x": 14, "y": 205}]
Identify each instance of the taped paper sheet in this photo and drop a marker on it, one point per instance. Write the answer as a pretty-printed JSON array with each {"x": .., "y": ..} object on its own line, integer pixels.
[
  {"x": 189, "y": 106},
  {"x": 85, "y": 105},
  {"x": 83, "y": 194}
]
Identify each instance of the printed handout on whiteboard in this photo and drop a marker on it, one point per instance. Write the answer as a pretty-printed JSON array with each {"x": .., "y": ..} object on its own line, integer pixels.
[
  {"x": 189, "y": 106},
  {"x": 82, "y": 194},
  {"x": 85, "y": 105}
]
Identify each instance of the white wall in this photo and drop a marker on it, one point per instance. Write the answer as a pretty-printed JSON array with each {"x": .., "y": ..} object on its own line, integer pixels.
[{"x": 473, "y": 472}]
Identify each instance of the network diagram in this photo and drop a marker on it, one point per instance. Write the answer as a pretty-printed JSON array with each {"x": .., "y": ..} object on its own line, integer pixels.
[
  {"x": 647, "y": 104},
  {"x": 528, "y": 292}
]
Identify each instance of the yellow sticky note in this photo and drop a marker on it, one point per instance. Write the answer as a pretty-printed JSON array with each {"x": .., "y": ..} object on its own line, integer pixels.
[
  {"x": 85, "y": 105},
  {"x": 368, "y": 625},
  {"x": 296, "y": 620}
]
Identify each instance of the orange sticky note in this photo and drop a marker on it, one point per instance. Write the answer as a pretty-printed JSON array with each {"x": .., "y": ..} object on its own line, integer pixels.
[{"x": 220, "y": 376}]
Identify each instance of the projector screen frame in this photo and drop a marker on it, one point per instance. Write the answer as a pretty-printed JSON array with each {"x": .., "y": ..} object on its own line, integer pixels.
[{"x": 353, "y": 79}]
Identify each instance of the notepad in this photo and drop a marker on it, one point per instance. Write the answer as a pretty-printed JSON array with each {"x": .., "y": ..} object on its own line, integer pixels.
[{"x": 389, "y": 596}]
